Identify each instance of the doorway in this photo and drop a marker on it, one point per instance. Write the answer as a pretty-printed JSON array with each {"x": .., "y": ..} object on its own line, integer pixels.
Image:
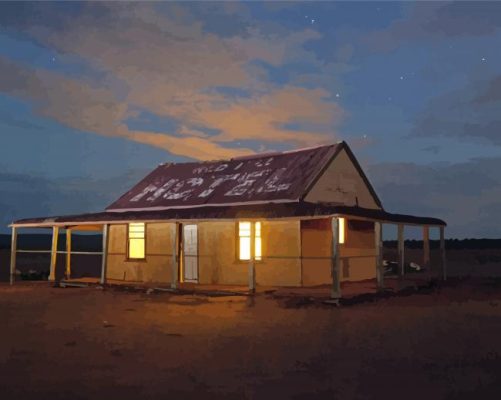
[{"x": 190, "y": 251}]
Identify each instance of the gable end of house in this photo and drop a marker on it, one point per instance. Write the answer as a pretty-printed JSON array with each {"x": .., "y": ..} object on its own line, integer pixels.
[{"x": 342, "y": 181}]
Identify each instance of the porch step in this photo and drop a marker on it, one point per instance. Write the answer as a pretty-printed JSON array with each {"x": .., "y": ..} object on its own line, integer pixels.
[
  {"x": 64, "y": 284},
  {"x": 214, "y": 293}
]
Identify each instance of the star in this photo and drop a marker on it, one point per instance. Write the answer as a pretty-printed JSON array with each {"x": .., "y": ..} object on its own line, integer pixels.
[
  {"x": 484, "y": 59},
  {"x": 401, "y": 78},
  {"x": 53, "y": 59},
  {"x": 337, "y": 94},
  {"x": 312, "y": 21}
]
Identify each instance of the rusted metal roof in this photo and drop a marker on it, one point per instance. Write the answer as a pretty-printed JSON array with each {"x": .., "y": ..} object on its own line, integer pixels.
[
  {"x": 265, "y": 178},
  {"x": 266, "y": 186},
  {"x": 255, "y": 211}
]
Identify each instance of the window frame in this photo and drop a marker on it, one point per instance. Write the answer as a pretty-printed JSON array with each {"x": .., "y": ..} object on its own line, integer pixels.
[
  {"x": 344, "y": 226},
  {"x": 237, "y": 242},
  {"x": 127, "y": 254}
]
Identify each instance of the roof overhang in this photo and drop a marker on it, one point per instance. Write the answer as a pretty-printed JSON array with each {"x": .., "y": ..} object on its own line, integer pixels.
[{"x": 270, "y": 211}]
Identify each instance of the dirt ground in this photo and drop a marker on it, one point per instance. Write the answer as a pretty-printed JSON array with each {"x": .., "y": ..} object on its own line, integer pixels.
[{"x": 87, "y": 343}]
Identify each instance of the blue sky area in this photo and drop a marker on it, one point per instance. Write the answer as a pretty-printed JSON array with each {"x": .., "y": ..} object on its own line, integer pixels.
[{"x": 93, "y": 95}]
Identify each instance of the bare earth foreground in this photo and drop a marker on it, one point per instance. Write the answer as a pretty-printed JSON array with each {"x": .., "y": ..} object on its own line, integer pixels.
[{"x": 87, "y": 343}]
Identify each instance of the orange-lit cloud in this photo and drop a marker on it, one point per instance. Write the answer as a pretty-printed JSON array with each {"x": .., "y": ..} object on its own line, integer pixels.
[
  {"x": 166, "y": 64},
  {"x": 265, "y": 117},
  {"x": 194, "y": 147}
]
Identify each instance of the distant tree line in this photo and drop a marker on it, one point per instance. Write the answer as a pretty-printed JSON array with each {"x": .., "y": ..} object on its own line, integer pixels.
[{"x": 452, "y": 244}]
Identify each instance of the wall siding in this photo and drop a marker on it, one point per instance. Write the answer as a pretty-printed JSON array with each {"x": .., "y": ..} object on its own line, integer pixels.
[
  {"x": 218, "y": 264},
  {"x": 294, "y": 255},
  {"x": 281, "y": 263},
  {"x": 341, "y": 183},
  {"x": 157, "y": 267},
  {"x": 358, "y": 254}
]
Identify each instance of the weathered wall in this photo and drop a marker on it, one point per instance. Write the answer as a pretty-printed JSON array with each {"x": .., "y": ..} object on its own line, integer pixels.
[
  {"x": 357, "y": 254},
  {"x": 341, "y": 183},
  {"x": 281, "y": 263},
  {"x": 282, "y": 254},
  {"x": 316, "y": 248},
  {"x": 216, "y": 254},
  {"x": 157, "y": 267},
  {"x": 293, "y": 255},
  {"x": 218, "y": 262}
]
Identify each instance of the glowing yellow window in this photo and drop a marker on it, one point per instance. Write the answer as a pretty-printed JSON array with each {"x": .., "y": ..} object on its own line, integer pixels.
[
  {"x": 342, "y": 230},
  {"x": 257, "y": 241},
  {"x": 136, "y": 248},
  {"x": 244, "y": 241}
]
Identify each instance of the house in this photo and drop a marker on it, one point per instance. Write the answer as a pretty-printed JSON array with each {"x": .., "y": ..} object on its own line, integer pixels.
[{"x": 299, "y": 218}]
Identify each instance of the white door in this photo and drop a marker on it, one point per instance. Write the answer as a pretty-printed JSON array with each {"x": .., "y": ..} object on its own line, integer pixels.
[{"x": 190, "y": 247}]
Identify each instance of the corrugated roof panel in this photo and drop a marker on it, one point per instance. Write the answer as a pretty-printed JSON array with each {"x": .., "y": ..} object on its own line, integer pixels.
[{"x": 276, "y": 177}]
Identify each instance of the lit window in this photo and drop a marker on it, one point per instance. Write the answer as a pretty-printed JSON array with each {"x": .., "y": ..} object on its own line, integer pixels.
[
  {"x": 136, "y": 248},
  {"x": 342, "y": 227},
  {"x": 257, "y": 241},
  {"x": 244, "y": 241}
]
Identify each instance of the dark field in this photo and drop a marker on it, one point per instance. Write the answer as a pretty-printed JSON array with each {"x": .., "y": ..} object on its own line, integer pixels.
[
  {"x": 88, "y": 343},
  {"x": 438, "y": 343}
]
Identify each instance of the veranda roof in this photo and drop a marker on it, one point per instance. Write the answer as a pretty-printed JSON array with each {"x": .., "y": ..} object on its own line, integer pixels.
[{"x": 216, "y": 213}]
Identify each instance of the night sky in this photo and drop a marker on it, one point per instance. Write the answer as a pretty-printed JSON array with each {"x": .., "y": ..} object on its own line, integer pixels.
[{"x": 94, "y": 95}]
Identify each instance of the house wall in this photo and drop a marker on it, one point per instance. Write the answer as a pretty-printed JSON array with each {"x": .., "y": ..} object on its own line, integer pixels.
[
  {"x": 342, "y": 183},
  {"x": 218, "y": 264},
  {"x": 295, "y": 253},
  {"x": 157, "y": 267},
  {"x": 357, "y": 254},
  {"x": 281, "y": 265}
]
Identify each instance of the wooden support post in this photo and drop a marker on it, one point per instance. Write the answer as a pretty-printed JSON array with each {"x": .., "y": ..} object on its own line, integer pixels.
[
  {"x": 175, "y": 258},
  {"x": 401, "y": 251},
  {"x": 181, "y": 257},
  {"x": 68, "y": 254},
  {"x": 13, "y": 254},
  {"x": 252, "y": 264},
  {"x": 336, "y": 284},
  {"x": 426, "y": 247},
  {"x": 378, "y": 234},
  {"x": 104, "y": 258},
  {"x": 53, "y": 254},
  {"x": 442, "y": 253}
]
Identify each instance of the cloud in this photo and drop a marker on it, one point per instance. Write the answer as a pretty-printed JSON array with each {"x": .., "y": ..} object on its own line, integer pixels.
[
  {"x": 93, "y": 109},
  {"x": 471, "y": 112},
  {"x": 11, "y": 121},
  {"x": 161, "y": 59},
  {"x": 466, "y": 194},
  {"x": 432, "y": 20},
  {"x": 58, "y": 196},
  {"x": 491, "y": 93},
  {"x": 73, "y": 103},
  {"x": 266, "y": 116},
  {"x": 435, "y": 149},
  {"x": 196, "y": 147}
]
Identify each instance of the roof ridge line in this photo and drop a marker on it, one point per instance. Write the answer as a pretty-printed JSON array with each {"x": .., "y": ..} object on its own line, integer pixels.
[{"x": 255, "y": 155}]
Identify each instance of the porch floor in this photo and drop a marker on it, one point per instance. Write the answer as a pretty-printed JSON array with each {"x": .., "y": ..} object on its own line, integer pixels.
[{"x": 349, "y": 290}]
